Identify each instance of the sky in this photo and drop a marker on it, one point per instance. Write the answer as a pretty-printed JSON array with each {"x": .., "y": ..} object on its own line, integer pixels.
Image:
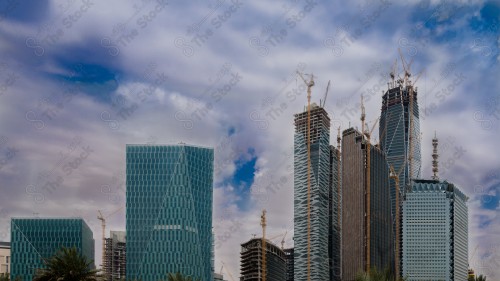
[{"x": 80, "y": 79}]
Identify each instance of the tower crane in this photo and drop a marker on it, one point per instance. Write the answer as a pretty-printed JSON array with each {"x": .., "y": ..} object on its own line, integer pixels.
[
  {"x": 395, "y": 176},
  {"x": 228, "y": 273},
  {"x": 309, "y": 85},
  {"x": 103, "y": 226},
  {"x": 368, "y": 191},
  {"x": 326, "y": 94},
  {"x": 263, "y": 223}
]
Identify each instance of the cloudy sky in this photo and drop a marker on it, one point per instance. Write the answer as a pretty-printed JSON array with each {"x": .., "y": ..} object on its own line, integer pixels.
[{"x": 79, "y": 79}]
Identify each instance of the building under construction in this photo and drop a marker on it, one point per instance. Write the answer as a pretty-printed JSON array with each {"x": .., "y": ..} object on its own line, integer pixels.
[
  {"x": 251, "y": 261},
  {"x": 399, "y": 133},
  {"x": 366, "y": 213},
  {"x": 289, "y": 264},
  {"x": 114, "y": 264},
  {"x": 316, "y": 198}
]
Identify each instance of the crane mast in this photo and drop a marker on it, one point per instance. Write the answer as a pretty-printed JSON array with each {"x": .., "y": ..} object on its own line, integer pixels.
[{"x": 263, "y": 224}]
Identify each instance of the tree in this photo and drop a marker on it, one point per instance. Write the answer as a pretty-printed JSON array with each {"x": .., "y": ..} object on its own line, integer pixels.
[
  {"x": 179, "y": 277},
  {"x": 6, "y": 277},
  {"x": 67, "y": 265},
  {"x": 375, "y": 275}
]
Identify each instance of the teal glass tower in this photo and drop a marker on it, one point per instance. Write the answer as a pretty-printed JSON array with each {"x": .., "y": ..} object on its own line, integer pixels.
[
  {"x": 435, "y": 232},
  {"x": 169, "y": 211},
  {"x": 324, "y": 238},
  {"x": 35, "y": 239}
]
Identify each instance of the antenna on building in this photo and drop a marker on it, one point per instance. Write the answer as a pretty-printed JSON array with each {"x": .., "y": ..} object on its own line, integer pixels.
[
  {"x": 363, "y": 115},
  {"x": 338, "y": 138},
  {"x": 435, "y": 157}
]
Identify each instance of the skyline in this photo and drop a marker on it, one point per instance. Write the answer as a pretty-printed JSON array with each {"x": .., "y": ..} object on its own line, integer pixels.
[{"x": 236, "y": 92}]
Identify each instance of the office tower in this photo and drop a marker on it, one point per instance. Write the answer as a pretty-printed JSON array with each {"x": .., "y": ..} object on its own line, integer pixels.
[
  {"x": 324, "y": 200},
  {"x": 169, "y": 211},
  {"x": 399, "y": 133},
  {"x": 289, "y": 264},
  {"x": 114, "y": 264},
  {"x": 251, "y": 261},
  {"x": 366, "y": 213},
  {"x": 435, "y": 232},
  {"x": 4, "y": 258},
  {"x": 35, "y": 239}
]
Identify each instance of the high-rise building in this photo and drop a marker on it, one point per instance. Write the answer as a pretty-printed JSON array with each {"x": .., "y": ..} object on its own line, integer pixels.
[
  {"x": 114, "y": 264},
  {"x": 251, "y": 261},
  {"x": 169, "y": 211},
  {"x": 4, "y": 258},
  {"x": 435, "y": 232},
  {"x": 366, "y": 212},
  {"x": 399, "y": 133},
  {"x": 289, "y": 264},
  {"x": 317, "y": 250},
  {"x": 35, "y": 239}
]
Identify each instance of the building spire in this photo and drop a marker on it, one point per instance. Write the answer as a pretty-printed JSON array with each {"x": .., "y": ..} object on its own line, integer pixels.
[
  {"x": 338, "y": 138},
  {"x": 363, "y": 115},
  {"x": 435, "y": 157}
]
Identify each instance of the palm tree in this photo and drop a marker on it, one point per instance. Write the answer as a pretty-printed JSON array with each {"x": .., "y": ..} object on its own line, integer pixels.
[
  {"x": 67, "y": 264},
  {"x": 179, "y": 277}
]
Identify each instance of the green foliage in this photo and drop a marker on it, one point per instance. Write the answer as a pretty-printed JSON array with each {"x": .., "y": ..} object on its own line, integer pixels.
[
  {"x": 6, "y": 277},
  {"x": 375, "y": 275},
  {"x": 179, "y": 277},
  {"x": 67, "y": 265}
]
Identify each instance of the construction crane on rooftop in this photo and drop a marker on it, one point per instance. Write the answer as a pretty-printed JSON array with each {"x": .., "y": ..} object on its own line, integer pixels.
[
  {"x": 326, "y": 94},
  {"x": 263, "y": 223},
  {"x": 309, "y": 85},
  {"x": 103, "y": 226}
]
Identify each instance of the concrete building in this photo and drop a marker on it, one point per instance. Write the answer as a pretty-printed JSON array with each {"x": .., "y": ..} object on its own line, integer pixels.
[
  {"x": 366, "y": 212},
  {"x": 396, "y": 133},
  {"x": 114, "y": 265},
  {"x": 289, "y": 264},
  {"x": 251, "y": 261},
  {"x": 169, "y": 211},
  {"x": 435, "y": 232},
  {"x": 4, "y": 258},
  {"x": 324, "y": 240},
  {"x": 36, "y": 239}
]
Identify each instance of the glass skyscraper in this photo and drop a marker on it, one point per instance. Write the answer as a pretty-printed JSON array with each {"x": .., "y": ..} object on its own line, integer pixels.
[
  {"x": 169, "y": 211},
  {"x": 435, "y": 232},
  {"x": 362, "y": 244},
  {"x": 324, "y": 192},
  {"x": 395, "y": 132},
  {"x": 35, "y": 239}
]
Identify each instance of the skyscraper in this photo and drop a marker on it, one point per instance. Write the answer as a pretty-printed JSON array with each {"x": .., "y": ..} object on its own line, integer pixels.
[
  {"x": 251, "y": 261},
  {"x": 366, "y": 217},
  {"x": 35, "y": 239},
  {"x": 114, "y": 264},
  {"x": 435, "y": 232},
  {"x": 324, "y": 183},
  {"x": 399, "y": 133},
  {"x": 169, "y": 211}
]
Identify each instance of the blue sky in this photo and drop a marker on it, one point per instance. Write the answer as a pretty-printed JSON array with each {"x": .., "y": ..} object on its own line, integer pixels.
[{"x": 97, "y": 75}]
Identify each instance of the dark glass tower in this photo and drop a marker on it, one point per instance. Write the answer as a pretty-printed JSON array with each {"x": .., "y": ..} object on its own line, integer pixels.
[
  {"x": 324, "y": 192},
  {"x": 169, "y": 211},
  {"x": 362, "y": 207},
  {"x": 399, "y": 133}
]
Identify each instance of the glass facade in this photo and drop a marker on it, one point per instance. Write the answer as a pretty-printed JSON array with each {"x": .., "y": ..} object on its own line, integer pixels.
[
  {"x": 324, "y": 192},
  {"x": 355, "y": 237},
  {"x": 169, "y": 211},
  {"x": 435, "y": 227},
  {"x": 36, "y": 239},
  {"x": 395, "y": 134}
]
